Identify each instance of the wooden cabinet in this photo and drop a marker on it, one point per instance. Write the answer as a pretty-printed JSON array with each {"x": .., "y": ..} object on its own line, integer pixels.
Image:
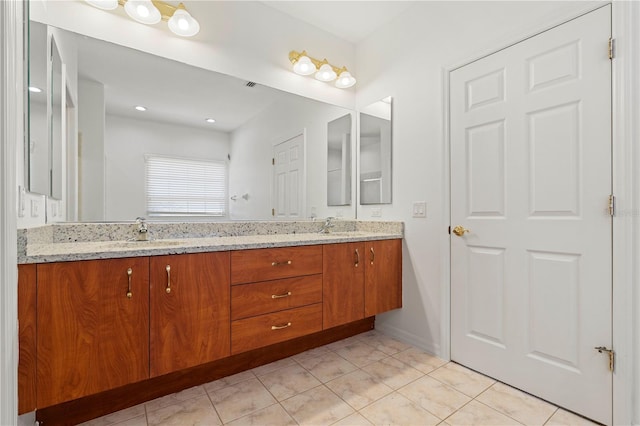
[
  {"x": 27, "y": 338},
  {"x": 189, "y": 296},
  {"x": 383, "y": 276},
  {"x": 361, "y": 280},
  {"x": 343, "y": 283},
  {"x": 91, "y": 336},
  {"x": 280, "y": 297}
]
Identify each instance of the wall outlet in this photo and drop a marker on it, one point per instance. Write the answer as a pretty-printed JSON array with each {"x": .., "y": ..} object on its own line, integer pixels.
[
  {"x": 420, "y": 209},
  {"x": 376, "y": 212},
  {"x": 35, "y": 211}
]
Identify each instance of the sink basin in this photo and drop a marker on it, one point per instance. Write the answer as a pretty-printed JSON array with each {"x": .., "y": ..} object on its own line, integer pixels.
[{"x": 134, "y": 244}]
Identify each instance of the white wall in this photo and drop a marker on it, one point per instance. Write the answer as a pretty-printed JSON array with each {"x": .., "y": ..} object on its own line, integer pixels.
[
  {"x": 406, "y": 59},
  {"x": 250, "y": 168},
  {"x": 126, "y": 143}
]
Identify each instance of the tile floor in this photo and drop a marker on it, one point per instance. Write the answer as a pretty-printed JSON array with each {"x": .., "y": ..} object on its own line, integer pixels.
[{"x": 369, "y": 379}]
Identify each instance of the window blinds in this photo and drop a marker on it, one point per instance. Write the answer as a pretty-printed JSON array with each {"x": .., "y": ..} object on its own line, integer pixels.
[{"x": 184, "y": 187}]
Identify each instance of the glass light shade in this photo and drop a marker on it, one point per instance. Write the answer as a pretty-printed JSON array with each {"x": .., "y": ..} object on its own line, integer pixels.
[
  {"x": 104, "y": 4},
  {"x": 326, "y": 73},
  {"x": 345, "y": 79},
  {"x": 183, "y": 24},
  {"x": 142, "y": 11},
  {"x": 304, "y": 66}
]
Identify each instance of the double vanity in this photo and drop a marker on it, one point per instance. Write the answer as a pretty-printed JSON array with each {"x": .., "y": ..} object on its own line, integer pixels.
[{"x": 107, "y": 322}]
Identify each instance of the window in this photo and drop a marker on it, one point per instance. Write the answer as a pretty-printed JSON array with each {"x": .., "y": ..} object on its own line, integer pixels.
[{"x": 184, "y": 187}]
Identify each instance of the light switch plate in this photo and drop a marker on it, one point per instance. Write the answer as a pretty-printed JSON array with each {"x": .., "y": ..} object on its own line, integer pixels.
[
  {"x": 420, "y": 209},
  {"x": 34, "y": 208}
]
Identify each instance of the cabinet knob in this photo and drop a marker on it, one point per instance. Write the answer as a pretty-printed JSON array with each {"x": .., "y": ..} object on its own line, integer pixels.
[
  {"x": 168, "y": 289},
  {"x": 129, "y": 273}
]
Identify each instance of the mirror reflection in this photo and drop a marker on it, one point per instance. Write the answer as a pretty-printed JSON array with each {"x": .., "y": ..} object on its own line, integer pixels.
[
  {"x": 375, "y": 152},
  {"x": 339, "y": 161},
  {"x": 192, "y": 117}
]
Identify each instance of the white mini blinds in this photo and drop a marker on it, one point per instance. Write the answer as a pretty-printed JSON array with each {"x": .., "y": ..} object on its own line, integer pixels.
[{"x": 184, "y": 187}]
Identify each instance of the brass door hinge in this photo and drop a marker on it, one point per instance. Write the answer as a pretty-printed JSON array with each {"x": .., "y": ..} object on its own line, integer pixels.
[
  {"x": 612, "y": 356},
  {"x": 612, "y": 205},
  {"x": 612, "y": 46}
]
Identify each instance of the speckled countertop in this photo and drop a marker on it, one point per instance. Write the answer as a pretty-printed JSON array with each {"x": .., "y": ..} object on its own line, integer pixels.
[{"x": 85, "y": 241}]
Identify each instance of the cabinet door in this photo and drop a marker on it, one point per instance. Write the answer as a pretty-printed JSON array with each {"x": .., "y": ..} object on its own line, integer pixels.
[
  {"x": 383, "y": 276},
  {"x": 27, "y": 338},
  {"x": 91, "y": 336},
  {"x": 343, "y": 283},
  {"x": 190, "y": 322}
]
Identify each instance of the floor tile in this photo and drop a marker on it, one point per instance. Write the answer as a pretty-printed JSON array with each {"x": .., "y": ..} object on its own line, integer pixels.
[
  {"x": 565, "y": 418},
  {"x": 393, "y": 373},
  {"x": 466, "y": 381},
  {"x": 328, "y": 366},
  {"x": 395, "y": 409},
  {"x": 195, "y": 411},
  {"x": 243, "y": 398},
  {"x": 384, "y": 343},
  {"x": 342, "y": 343},
  {"x": 360, "y": 354},
  {"x": 318, "y": 406},
  {"x": 476, "y": 413},
  {"x": 268, "y": 368},
  {"x": 229, "y": 380},
  {"x": 434, "y": 396},
  {"x": 289, "y": 381},
  {"x": 175, "y": 398},
  {"x": 273, "y": 415},
  {"x": 359, "y": 389},
  {"x": 311, "y": 353},
  {"x": 118, "y": 416},
  {"x": 518, "y": 405},
  {"x": 356, "y": 419},
  {"x": 420, "y": 360}
]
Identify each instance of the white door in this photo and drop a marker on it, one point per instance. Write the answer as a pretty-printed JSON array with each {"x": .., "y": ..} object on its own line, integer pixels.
[
  {"x": 288, "y": 178},
  {"x": 530, "y": 178}
]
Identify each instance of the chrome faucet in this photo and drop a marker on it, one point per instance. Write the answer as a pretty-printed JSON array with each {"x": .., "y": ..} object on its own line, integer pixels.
[
  {"x": 143, "y": 229},
  {"x": 326, "y": 226}
]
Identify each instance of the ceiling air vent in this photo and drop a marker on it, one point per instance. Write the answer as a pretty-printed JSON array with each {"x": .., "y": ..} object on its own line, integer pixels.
[{"x": 250, "y": 84}]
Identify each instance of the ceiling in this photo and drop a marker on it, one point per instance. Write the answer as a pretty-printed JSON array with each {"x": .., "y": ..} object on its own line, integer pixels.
[{"x": 344, "y": 19}]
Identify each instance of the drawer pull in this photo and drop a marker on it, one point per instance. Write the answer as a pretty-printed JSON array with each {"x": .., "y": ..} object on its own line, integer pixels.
[
  {"x": 280, "y": 296},
  {"x": 373, "y": 255},
  {"x": 288, "y": 262},
  {"x": 280, "y": 327},
  {"x": 129, "y": 273},
  {"x": 168, "y": 289},
  {"x": 357, "y": 258}
]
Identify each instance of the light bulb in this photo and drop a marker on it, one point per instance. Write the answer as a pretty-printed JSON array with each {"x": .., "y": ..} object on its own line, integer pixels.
[
  {"x": 326, "y": 73},
  {"x": 34, "y": 89},
  {"x": 140, "y": 108},
  {"x": 142, "y": 11},
  {"x": 103, "y": 4},
  {"x": 304, "y": 66},
  {"x": 345, "y": 79},
  {"x": 182, "y": 23}
]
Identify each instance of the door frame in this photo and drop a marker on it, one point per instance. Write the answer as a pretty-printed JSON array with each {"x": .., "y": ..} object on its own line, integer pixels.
[
  {"x": 277, "y": 141},
  {"x": 626, "y": 187}
]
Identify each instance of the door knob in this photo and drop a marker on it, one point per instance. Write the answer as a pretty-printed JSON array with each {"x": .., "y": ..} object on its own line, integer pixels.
[{"x": 460, "y": 230}]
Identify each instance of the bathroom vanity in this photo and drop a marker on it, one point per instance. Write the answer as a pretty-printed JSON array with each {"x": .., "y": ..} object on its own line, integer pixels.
[{"x": 109, "y": 323}]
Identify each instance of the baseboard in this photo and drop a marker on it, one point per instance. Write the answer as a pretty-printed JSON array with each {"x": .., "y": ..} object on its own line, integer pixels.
[{"x": 410, "y": 338}]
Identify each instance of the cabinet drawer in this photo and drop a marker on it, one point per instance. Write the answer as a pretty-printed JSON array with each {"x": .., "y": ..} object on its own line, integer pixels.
[
  {"x": 249, "y": 300},
  {"x": 270, "y": 264},
  {"x": 264, "y": 330}
]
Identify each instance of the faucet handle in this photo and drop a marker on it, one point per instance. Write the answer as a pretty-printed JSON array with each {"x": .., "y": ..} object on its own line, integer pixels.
[{"x": 140, "y": 219}]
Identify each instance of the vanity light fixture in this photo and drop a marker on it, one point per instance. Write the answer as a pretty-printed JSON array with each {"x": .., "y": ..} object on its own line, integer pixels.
[
  {"x": 210, "y": 120},
  {"x": 304, "y": 64},
  {"x": 140, "y": 108},
  {"x": 151, "y": 12},
  {"x": 34, "y": 89}
]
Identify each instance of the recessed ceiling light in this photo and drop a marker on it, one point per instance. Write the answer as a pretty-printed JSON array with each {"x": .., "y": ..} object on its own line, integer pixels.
[
  {"x": 210, "y": 120},
  {"x": 35, "y": 89},
  {"x": 140, "y": 108}
]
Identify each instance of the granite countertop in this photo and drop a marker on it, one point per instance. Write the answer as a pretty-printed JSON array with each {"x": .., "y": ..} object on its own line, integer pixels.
[{"x": 58, "y": 245}]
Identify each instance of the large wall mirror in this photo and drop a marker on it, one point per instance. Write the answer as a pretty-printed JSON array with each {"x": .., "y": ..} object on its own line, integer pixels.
[
  {"x": 339, "y": 161},
  {"x": 114, "y": 139},
  {"x": 375, "y": 152}
]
